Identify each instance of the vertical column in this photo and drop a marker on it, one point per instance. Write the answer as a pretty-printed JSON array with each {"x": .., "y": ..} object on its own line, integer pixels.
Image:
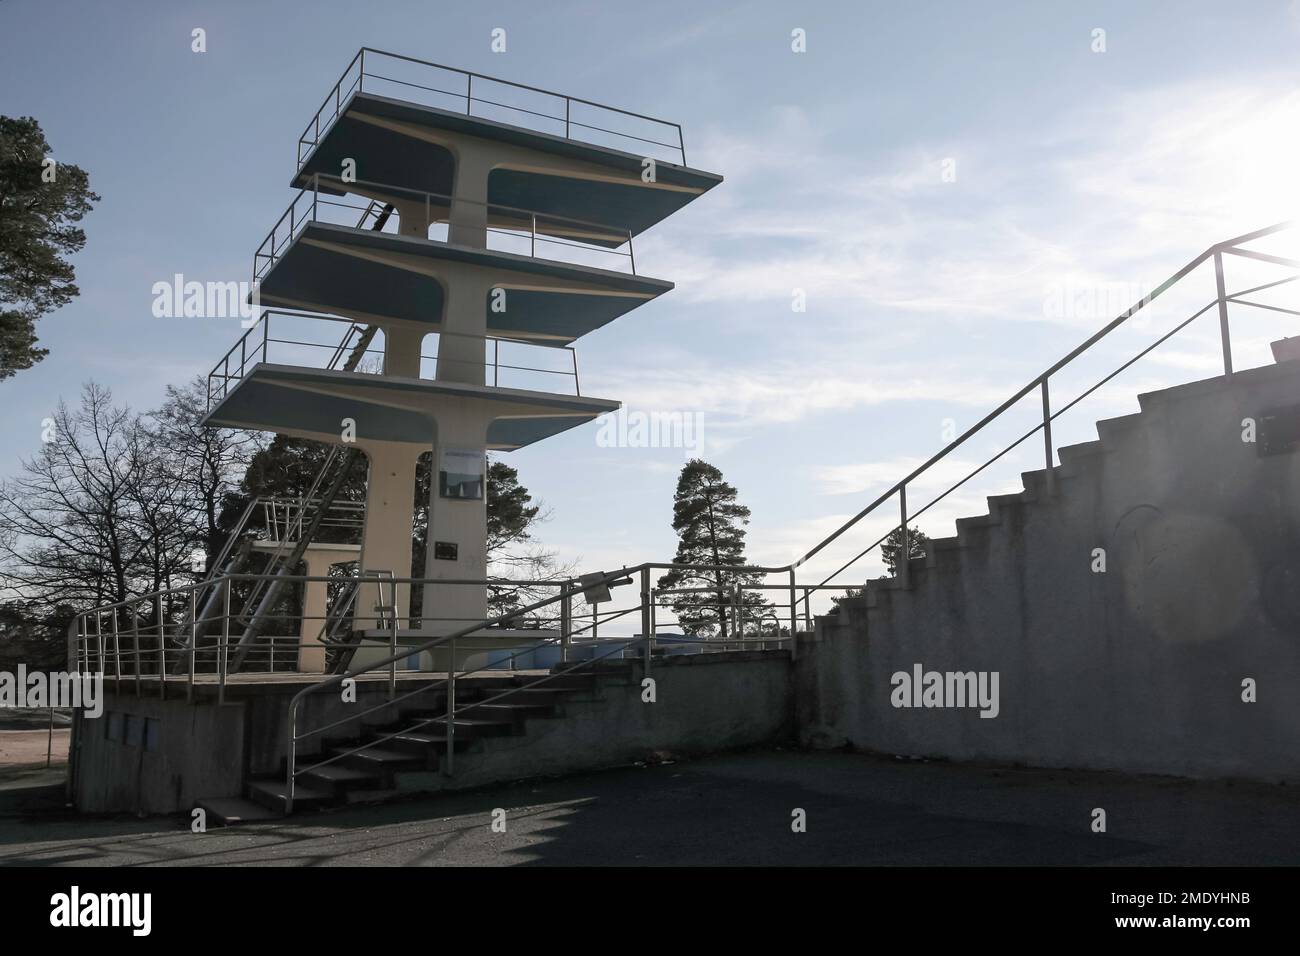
[
  {"x": 386, "y": 543},
  {"x": 457, "y": 542},
  {"x": 315, "y": 603}
]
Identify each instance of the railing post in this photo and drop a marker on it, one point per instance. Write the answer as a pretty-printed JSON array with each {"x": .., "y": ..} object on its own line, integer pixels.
[
  {"x": 534, "y": 237},
  {"x": 117, "y": 656},
  {"x": 631, "y": 252},
  {"x": 223, "y": 644},
  {"x": 1223, "y": 314},
  {"x": 392, "y": 643},
  {"x": 162, "y": 650},
  {"x": 99, "y": 640},
  {"x": 902, "y": 560},
  {"x": 807, "y": 610},
  {"x": 794, "y": 612},
  {"x": 451, "y": 708},
  {"x": 566, "y": 621},
  {"x": 194, "y": 640},
  {"x": 646, "y": 634},
  {"x": 139, "y": 661},
  {"x": 1050, "y": 475},
  {"x": 567, "y": 103},
  {"x": 469, "y": 94}
]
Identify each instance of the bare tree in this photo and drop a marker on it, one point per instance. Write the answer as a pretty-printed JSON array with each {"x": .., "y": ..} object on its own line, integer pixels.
[
  {"x": 205, "y": 464},
  {"x": 73, "y": 514}
]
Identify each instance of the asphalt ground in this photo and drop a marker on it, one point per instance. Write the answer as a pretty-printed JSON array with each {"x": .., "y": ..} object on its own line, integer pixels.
[{"x": 734, "y": 809}]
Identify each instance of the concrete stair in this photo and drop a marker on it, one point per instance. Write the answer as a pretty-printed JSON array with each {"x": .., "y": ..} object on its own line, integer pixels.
[
  {"x": 414, "y": 744},
  {"x": 1077, "y": 462}
]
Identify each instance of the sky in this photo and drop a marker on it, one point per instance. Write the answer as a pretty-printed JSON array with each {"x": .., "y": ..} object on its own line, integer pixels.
[{"x": 958, "y": 192}]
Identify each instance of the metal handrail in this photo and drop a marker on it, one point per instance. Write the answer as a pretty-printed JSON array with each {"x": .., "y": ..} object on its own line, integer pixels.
[
  {"x": 341, "y": 98},
  {"x": 1213, "y": 253},
  {"x": 310, "y": 197},
  {"x": 241, "y": 357}
]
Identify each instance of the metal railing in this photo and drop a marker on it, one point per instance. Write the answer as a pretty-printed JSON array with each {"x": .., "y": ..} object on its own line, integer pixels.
[
  {"x": 509, "y": 229},
  {"x": 562, "y": 638},
  {"x": 260, "y": 345},
  {"x": 1213, "y": 255},
  {"x": 475, "y": 94}
]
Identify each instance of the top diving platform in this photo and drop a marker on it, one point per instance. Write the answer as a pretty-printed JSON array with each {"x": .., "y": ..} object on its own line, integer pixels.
[{"x": 404, "y": 121}]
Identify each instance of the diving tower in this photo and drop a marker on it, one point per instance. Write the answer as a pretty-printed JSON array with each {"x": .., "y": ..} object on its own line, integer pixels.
[{"x": 438, "y": 202}]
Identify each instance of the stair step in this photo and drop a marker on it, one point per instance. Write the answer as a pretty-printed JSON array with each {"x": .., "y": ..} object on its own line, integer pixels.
[
  {"x": 271, "y": 793},
  {"x": 1111, "y": 429},
  {"x": 422, "y": 742},
  {"x": 232, "y": 811},
  {"x": 477, "y": 726},
  {"x": 509, "y": 711},
  {"x": 338, "y": 777},
  {"x": 1015, "y": 500},
  {"x": 378, "y": 758},
  {"x": 1069, "y": 454}
]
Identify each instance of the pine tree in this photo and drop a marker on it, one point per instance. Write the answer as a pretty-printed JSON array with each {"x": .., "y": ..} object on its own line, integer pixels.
[{"x": 710, "y": 525}]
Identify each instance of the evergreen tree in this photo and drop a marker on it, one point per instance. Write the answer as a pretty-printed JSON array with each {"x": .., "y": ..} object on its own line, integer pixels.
[
  {"x": 40, "y": 204},
  {"x": 710, "y": 525}
]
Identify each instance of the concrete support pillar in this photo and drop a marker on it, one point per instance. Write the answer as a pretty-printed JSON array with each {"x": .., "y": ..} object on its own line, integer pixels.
[
  {"x": 469, "y": 211},
  {"x": 460, "y": 522},
  {"x": 413, "y": 217},
  {"x": 386, "y": 538},
  {"x": 315, "y": 604},
  {"x": 462, "y": 346},
  {"x": 402, "y": 350}
]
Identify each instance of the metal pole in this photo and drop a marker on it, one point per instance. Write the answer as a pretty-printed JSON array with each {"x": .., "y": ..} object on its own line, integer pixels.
[
  {"x": 117, "y": 655},
  {"x": 469, "y": 94},
  {"x": 224, "y": 643},
  {"x": 162, "y": 650},
  {"x": 646, "y": 634},
  {"x": 534, "y": 249},
  {"x": 566, "y": 621},
  {"x": 392, "y": 666},
  {"x": 901, "y": 560},
  {"x": 631, "y": 252},
  {"x": 194, "y": 640},
  {"x": 1223, "y": 315},
  {"x": 1047, "y": 439},
  {"x": 451, "y": 708},
  {"x": 794, "y": 611}
]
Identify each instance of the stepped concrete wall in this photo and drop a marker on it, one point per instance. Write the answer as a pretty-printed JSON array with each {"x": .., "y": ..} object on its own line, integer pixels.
[
  {"x": 703, "y": 703},
  {"x": 1139, "y": 668}
]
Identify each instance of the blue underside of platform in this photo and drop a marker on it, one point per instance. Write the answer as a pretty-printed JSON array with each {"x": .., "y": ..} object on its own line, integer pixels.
[
  {"x": 388, "y": 156},
  {"x": 280, "y": 398},
  {"x": 308, "y": 276}
]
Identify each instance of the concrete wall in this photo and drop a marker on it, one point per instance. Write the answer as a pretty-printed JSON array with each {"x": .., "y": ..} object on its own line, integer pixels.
[
  {"x": 198, "y": 751},
  {"x": 704, "y": 703},
  {"x": 1139, "y": 668}
]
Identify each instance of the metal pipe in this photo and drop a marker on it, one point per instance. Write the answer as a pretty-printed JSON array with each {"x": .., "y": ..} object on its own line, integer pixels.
[
  {"x": 1224, "y": 335},
  {"x": 647, "y": 631},
  {"x": 902, "y": 566},
  {"x": 1050, "y": 475}
]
